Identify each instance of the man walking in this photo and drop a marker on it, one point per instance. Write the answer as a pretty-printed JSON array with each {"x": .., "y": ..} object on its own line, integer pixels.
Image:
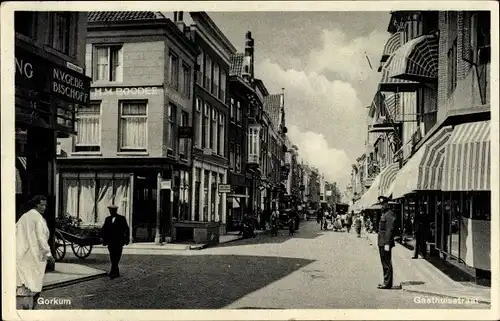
[
  {"x": 386, "y": 241},
  {"x": 115, "y": 234}
]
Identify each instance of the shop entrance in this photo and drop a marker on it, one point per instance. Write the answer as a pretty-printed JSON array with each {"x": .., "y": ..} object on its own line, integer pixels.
[{"x": 144, "y": 211}]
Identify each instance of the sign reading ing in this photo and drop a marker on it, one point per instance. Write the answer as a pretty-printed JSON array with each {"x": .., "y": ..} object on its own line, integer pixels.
[{"x": 224, "y": 188}]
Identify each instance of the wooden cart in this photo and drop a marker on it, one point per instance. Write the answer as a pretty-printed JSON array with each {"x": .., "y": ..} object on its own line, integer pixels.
[{"x": 81, "y": 246}]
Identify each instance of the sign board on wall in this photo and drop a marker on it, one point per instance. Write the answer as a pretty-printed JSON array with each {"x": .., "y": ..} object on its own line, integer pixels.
[
  {"x": 166, "y": 184},
  {"x": 224, "y": 188}
]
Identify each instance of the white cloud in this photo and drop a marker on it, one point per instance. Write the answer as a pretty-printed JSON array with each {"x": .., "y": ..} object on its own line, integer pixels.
[
  {"x": 347, "y": 57},
  {"x": 327, "y": 118},
  {"x": 315, "y": 150}
]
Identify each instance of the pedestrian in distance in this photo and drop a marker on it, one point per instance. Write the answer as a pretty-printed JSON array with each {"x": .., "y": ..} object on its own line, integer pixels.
[
  {"x": 386, "y": 233},
  {"x": 357, "y": 225},
  {"x": 419, "y": 235},
  {"x": 274, "y": 222},
  {"x": 291, "y": 224},
  {"x": 33, "y": 252},
  {"x": 348, "y": 221},
  {"x": 115, "y": 234}
]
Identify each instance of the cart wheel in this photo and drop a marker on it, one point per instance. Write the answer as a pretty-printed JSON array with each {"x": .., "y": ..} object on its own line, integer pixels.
[
  {"x": 60, "y": 245},
  {"x": 81, "y": 251}
]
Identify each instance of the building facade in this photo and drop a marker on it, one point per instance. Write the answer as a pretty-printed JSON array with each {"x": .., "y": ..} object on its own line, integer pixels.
[
  {"x": 442, "y": 169},
  {"x": 128, "y": 150},
  {"x": 211, "y": 154},
  {"x": 50, "y": 86}
]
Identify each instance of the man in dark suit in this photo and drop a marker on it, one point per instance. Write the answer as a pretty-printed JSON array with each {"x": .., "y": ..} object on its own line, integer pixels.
[
  {"x": 386, "y": 232},
  {"x": 115, "y": 234},
  {"x": 420, "y": 225}
]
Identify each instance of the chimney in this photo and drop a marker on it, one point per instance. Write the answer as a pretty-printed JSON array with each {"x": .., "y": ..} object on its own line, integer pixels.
[
  {"x": 248, "y": 62},
  {"x": 179, "y": 21}
]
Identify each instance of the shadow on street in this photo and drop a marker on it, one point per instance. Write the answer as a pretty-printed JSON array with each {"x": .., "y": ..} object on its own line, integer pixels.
[{"x": 176, "y": 282}]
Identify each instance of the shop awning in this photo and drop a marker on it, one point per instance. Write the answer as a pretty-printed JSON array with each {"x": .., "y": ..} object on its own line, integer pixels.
[
  {"x": 467, "y": 166},
  {"x": 380, "y": 186},
  {"x": 423, "y": 171},
  {"x": 392, "y": 44},
  {"x": 416, "y": 60},
  {"x": 391, "y": 104},
  {"x": 387, "y": 83}
]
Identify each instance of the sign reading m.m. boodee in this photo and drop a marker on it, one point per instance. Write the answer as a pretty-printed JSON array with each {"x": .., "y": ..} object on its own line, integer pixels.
[{"x": 70, "y": 86}]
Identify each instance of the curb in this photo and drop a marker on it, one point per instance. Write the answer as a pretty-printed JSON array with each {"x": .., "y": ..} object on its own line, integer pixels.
[
  {"x": 205, "y": 246},
  {"x": 71, "y": 282},
  {"x": 444, "y": 295}
]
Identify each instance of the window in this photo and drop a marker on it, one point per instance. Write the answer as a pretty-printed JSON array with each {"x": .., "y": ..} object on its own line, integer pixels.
[
  {"x": 223, "y": 79},
  {"x": 238, "y": 158},
  {"x": 232, "y": 160},
  {"x": 238, "y": 112},
  {"x": 133, "y": 126},
  {"x": 183, "y": 142},
  {"x": 201, "y": 71},
  {"x": 25, "y": 22},
  {"x": 214, "y": 129},
  {"x": 186, "y": 80},
  {"x": 60, "y": 31},
  {"x": 452, "y": 67},
  {"x": 173, "y": 76},
  {"x": 232, "y": 109},
  {"x": 88, "y": 128},
  {"x": 198, "y": 123},
  {"x": 108, "y": 63},
  {"x": 208, "y": 73},
  {"x": 253, "y": 145},
  {"x": 206, "y": 126},
  {"x": 220, "y": 143},
  {"x": 171, "y": 139},
  {"x": 216, "y": 85}
]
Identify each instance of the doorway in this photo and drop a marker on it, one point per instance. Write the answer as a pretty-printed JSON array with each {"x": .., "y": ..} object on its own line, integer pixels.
[{"x": 144, "y": 210}]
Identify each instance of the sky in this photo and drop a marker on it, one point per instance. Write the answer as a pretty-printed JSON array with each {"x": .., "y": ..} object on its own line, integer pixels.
[{"x": 320, "y": 58}]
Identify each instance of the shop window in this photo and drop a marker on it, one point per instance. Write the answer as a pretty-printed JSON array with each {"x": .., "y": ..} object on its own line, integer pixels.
[
  {"x": 197, "y": 194},
  {"x": 183, "y": 142},
  {"x": 481, "y": 206},
  {"x": 171, "y": 138},
  {"x": 107, "y": 63},
  {"x": 186, "y": 80},
  {"x": 25, "y": 23},
  {"x": 88, "y": 128},
  {"x": 219, "y": 195},
  {"x": 60, "y": 31},
  {"x": 173, "y": 75},
  {"x": 213, "y": 201},
  {"x": 133, "y": 126},
  {"x": 205, "y": 194}
]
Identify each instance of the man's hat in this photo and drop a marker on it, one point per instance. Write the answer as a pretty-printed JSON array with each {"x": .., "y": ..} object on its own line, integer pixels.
[
  {"x": 383, "y": 199},
  {"x": 112, "y": 206}
]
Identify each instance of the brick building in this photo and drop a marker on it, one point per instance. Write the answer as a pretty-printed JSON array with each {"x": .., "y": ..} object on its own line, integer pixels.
[
  {"x": 442, "y": 171},
  {"x": 49, "y": 49},
  {"x": 127, "y": 150}
]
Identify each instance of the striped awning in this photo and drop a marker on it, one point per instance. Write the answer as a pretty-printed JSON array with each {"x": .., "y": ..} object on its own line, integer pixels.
[
  {"x": 387, "y": 83},
  {"x": 380, "y": 186},
  {"x": 467, "y": 166},
  {"x": 424, "y": 170},
  {"x": 416, "y": 60},
  {"x": 392, "y": 44},
  {"x": 391, "y": 104}
]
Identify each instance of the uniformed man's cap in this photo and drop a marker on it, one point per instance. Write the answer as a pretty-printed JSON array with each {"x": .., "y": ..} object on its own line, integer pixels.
[{"x": 113, "y": 206}]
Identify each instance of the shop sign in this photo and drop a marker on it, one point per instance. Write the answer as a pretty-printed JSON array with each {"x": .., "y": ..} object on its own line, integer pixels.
[
  {"x": 224, "y": 188},
  {"x": 70, "y": 85},
  {"x": 166, "y": 184},
  {"x": 185, "y": 132},
  {"x": 128, "y": 91}
]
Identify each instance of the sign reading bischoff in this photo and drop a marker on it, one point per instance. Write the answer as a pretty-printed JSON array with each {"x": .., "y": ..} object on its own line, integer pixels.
[
  {"x": 71, "y": 87},
  {"x": 127, "y": 91}
]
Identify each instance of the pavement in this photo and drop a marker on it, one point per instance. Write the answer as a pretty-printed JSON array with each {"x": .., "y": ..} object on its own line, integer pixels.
[
  {"x": 312, "y": 269},
  {"x": 420, "y": 276},
  {"x": 70, "y": 273}
]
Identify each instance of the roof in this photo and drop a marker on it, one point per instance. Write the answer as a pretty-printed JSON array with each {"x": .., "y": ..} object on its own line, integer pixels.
[
  {"x": 114, "y": 16},
  {"x": 272, "y": 105},
  {"x": 236, "y": 64}
]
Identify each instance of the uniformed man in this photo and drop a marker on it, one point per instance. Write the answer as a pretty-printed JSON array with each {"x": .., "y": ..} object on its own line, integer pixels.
[{"x": 386, "y": 232}]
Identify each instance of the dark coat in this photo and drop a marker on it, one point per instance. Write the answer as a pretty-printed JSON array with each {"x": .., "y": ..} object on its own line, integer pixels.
[
  {"x": 387, "y": 228},
  {"x": 117, "y": 233}
]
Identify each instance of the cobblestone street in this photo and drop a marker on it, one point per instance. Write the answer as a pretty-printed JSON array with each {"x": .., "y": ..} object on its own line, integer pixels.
[{"x": 313, "y": 269}]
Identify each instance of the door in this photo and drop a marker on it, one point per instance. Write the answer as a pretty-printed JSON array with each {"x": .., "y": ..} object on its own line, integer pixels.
[{"x": 144, "y": 212}]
